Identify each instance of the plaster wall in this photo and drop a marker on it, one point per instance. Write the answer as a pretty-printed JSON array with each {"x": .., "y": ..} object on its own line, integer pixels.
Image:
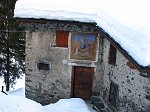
[
  {"x": 133, "y": 88},
  {"x": 46, "y": 86}
]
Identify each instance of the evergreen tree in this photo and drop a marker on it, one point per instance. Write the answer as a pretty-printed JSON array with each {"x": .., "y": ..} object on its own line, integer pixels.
[{"x": 12, "y": 45}]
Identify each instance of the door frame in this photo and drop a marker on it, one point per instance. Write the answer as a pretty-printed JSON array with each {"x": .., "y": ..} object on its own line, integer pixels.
[{"x": 73, "y": 79}]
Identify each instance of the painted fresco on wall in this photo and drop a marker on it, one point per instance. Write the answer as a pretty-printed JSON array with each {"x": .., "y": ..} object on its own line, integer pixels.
[{"x": 83, "y": 47}]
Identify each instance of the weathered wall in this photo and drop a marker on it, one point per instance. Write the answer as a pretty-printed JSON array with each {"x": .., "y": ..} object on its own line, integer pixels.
[
  {"x": 48, "y": 86},
  {"x": 134, "y": 90},
  {"x": 42, "y": 85}
]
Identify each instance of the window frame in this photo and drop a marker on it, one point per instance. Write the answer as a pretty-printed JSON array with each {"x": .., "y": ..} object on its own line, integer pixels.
[
  {"x": 41, "y": 66},
  {"x": 114, "y": 89},
  {"x": 112, "y": 55},
  {"x": 64, "y": 35}
]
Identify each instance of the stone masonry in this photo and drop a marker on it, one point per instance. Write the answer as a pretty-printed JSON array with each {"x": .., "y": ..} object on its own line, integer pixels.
[
  {"x": 50, "y": 86},
  {"x": 45, "y": 86}
]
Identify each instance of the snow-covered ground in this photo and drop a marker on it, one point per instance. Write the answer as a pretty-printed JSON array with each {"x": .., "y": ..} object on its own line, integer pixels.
[
  {"x": 15, "y": 101},
  {"x": 18, "y": 103},
  {"x": 68, "y": 105},
  {"x": 20, "y": 83},
  {"x": 127, "y": 21}
]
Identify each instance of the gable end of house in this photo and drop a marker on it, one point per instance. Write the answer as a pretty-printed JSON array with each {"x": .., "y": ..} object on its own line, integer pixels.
[{"x": 142, "y": 69}]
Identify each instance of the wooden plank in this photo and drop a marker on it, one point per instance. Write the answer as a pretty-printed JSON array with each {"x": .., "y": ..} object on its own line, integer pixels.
[{"x": 83, "y": 79}]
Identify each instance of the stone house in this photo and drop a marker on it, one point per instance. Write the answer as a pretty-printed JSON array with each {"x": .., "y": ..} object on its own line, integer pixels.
[{"x": 77, "y": 59}]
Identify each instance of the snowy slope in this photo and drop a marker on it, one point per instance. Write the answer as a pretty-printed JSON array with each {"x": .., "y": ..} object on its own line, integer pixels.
[
  {"x": 127, "y": 21},
  {"x": 15, "y": 101},
  {"x": 20, "y": 83},
  {"x": 68, "y": 105}
]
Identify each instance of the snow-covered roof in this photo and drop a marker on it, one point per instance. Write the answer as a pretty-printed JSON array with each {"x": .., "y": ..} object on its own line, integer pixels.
[{"x": 127, "y": 21}]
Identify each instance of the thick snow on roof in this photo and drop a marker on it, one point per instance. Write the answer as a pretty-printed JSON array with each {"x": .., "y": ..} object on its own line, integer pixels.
[{"x": 127, "y": 21}]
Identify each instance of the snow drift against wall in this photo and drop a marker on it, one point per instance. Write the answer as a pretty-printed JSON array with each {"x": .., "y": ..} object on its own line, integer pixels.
[
  {"x": 15, "y": 101},
  {"x": 125, "y": 20}
]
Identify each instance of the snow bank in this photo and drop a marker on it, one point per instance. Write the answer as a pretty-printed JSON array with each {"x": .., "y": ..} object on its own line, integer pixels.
[
  {"x": 18, "y": 92},
  {"x": 10, "y": 103},
  {"x": 125, "y": 20},
  {"x": 68, "y": 105},
  {"x": 20, "y": 83},
  {"x": 15, "y": 101}
]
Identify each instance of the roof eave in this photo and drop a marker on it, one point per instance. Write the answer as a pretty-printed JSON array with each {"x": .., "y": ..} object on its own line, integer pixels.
[
  {"x": 20, "y": 19},
  {"x": 143, "y": 69}
]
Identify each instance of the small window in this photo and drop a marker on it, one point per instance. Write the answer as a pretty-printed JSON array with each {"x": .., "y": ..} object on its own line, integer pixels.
[
  {"x": 113, "y": 94},
  {"x": 62, "y": 38},
  {"x": 43, "y": 66},
  {"x": 112, "y": 55}
]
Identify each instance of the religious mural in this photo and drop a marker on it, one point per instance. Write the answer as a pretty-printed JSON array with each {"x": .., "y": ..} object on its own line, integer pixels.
[{"x": 83, "y": 47}]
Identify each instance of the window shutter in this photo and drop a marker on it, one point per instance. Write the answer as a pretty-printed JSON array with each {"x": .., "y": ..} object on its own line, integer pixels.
[
  {"x": 62, "y": 38},
  {"x": 112, "y": 55}
]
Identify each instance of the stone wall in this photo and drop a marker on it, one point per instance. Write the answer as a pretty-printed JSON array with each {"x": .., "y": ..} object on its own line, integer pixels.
[
  {"x": 44, "y": 25},
  {"x": 133, "y": 88},
  {"x": 46, "y": 86}
]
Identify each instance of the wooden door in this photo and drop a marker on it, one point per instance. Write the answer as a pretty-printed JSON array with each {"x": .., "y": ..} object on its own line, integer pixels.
[
  {"x": 113, "y": 94},
  {"x": 82, "y": 82}
]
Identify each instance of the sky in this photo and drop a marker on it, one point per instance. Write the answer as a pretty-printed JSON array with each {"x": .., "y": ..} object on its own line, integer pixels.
[{"x": 127, "y": 21}]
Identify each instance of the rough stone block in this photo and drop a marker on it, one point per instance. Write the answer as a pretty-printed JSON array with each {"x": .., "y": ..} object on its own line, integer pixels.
[
  {"x": 100, "y": 106},
  {"x": 95, "y": 100}
]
